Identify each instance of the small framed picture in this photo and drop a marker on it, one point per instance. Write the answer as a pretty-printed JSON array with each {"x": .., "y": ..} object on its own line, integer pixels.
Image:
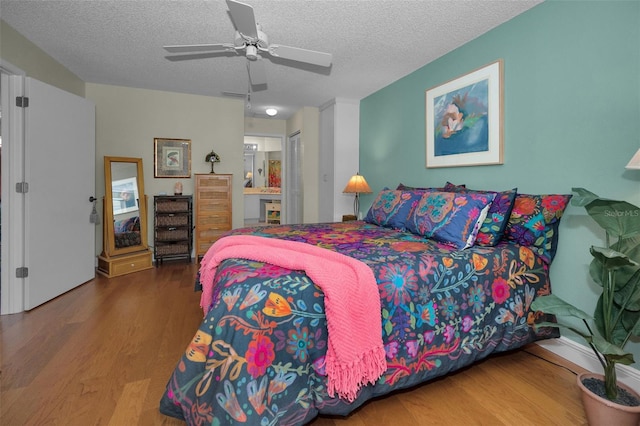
[
  {"x": 172, "y": 158},
  {"x": 125, "y": 195}
]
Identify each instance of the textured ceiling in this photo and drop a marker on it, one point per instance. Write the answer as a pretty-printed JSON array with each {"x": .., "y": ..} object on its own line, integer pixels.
[{"x": 373, "y": 42}]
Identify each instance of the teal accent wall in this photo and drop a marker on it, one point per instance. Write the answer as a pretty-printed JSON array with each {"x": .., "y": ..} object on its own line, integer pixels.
[{"x": 571, "y": 119}]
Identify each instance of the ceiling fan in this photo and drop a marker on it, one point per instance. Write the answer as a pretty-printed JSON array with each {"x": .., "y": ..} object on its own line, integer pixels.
[{"x": 250, "y": 39}]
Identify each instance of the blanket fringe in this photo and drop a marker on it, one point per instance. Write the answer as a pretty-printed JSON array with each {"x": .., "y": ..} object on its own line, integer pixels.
[{"x": 346, "y": 379}]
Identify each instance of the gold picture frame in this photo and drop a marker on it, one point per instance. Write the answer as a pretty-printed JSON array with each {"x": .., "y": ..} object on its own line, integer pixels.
[
  {"x": 464, "y": 119},
  {"x": 172, "y": 158}
]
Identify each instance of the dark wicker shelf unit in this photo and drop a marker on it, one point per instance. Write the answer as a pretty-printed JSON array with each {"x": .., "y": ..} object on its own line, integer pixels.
[{"x": 173, "y": 227}]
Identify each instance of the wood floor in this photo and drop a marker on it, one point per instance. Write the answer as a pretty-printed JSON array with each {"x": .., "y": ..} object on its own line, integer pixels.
[{"x": 101, "y": 355}]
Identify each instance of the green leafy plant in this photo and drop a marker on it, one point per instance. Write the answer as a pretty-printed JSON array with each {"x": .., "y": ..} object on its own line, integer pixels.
[{"x": 616, "y": 268}]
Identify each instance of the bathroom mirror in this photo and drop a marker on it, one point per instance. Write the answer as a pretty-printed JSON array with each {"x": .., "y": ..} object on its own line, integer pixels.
[
  {"x": 125, "y": 207},
  {"x": 262, "y": 162}
]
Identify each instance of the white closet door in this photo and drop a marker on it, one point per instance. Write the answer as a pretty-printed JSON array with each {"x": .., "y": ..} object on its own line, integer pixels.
[
  {"x": 60, "y": 170},
  {"x": 293, "y": 176}
]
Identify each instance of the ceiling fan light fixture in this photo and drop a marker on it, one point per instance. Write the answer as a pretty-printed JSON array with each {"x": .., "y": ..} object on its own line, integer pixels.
[
  {"x": 252, "y": 52},
  {"x": 271, "y": 112}
]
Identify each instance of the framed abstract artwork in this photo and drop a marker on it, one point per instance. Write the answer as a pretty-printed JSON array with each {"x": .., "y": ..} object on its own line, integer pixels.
[
  {"x": 464, "y": 119},
  {"x": 172, "y": 158}
]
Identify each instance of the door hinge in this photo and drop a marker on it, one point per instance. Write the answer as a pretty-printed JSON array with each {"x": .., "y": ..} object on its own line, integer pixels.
[
  {"x": 22, "y": 272},
  {"x": 22, "y": 187},
  {"x": 22, "y": 101}
]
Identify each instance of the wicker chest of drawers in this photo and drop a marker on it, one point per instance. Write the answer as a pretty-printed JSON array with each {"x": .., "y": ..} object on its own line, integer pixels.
[{"x": 173, "y": 227}]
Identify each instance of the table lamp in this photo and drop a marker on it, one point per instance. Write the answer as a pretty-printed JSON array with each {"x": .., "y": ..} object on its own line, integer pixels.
[
  {"x": 357, "y": 185},
  {"x": 212, "y": 158}
]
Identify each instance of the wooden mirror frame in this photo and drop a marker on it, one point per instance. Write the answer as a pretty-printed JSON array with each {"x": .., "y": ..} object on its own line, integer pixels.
[{"x": 109, "y": 244}]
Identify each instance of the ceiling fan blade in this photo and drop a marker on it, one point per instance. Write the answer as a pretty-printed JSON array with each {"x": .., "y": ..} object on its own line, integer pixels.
[
  {"x": 243, "y": 18},
  {"x": 191, "y": 48},
  {"x": 301, "y": 55},
  {"x": 257, "y": 74}
]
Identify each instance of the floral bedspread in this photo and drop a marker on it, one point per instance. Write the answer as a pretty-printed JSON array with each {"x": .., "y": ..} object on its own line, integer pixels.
[{"x": 257, "y": 357}]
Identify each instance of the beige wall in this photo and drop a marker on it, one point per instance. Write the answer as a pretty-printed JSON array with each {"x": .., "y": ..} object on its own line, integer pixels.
[
  {"x": 265, "y": 126},
  {"x": 129, "y": 119},
  {"x": 20, "y": 52}
]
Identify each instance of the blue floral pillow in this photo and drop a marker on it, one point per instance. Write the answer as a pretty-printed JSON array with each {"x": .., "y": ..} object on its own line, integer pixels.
[
  {"x": 534, "y": 222},
  {"x": 494, "y": 225},
  {"x": 450, "y": 217},
  {"x": 391, "y": 208}
]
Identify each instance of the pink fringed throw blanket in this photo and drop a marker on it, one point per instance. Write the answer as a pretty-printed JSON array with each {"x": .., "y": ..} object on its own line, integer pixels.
[{"x": 355, "y": 353}]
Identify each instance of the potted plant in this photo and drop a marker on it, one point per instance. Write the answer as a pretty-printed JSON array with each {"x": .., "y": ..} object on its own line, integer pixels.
[{"x": 616, "y": 268}]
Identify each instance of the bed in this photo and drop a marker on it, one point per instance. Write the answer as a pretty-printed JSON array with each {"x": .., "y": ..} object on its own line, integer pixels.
[
  {"x": 127, "y": 232},
  {"x": 446, "y": 300}
]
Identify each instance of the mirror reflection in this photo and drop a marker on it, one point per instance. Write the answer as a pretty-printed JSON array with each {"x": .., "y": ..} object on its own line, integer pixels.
[
  {"x": 249, "y": 161},
  {"x": 262, "y": 177},
  {"x": 262, "y": 164},
  {"x": 126, "y": 204}
]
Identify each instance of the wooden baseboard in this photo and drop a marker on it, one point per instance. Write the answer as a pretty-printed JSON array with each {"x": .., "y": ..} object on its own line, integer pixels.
[{"x": 585, "y": 358}]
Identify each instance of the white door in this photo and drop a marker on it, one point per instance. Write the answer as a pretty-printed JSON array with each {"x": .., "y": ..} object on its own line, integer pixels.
[
  {"x": 60, "y": 172},
  {"x": 11, "y": 298},
  {"x": 293, "y": 180}
]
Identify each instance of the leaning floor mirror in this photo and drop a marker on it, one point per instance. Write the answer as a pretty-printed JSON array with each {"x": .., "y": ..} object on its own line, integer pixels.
[{"x": 124, "y": 237}]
